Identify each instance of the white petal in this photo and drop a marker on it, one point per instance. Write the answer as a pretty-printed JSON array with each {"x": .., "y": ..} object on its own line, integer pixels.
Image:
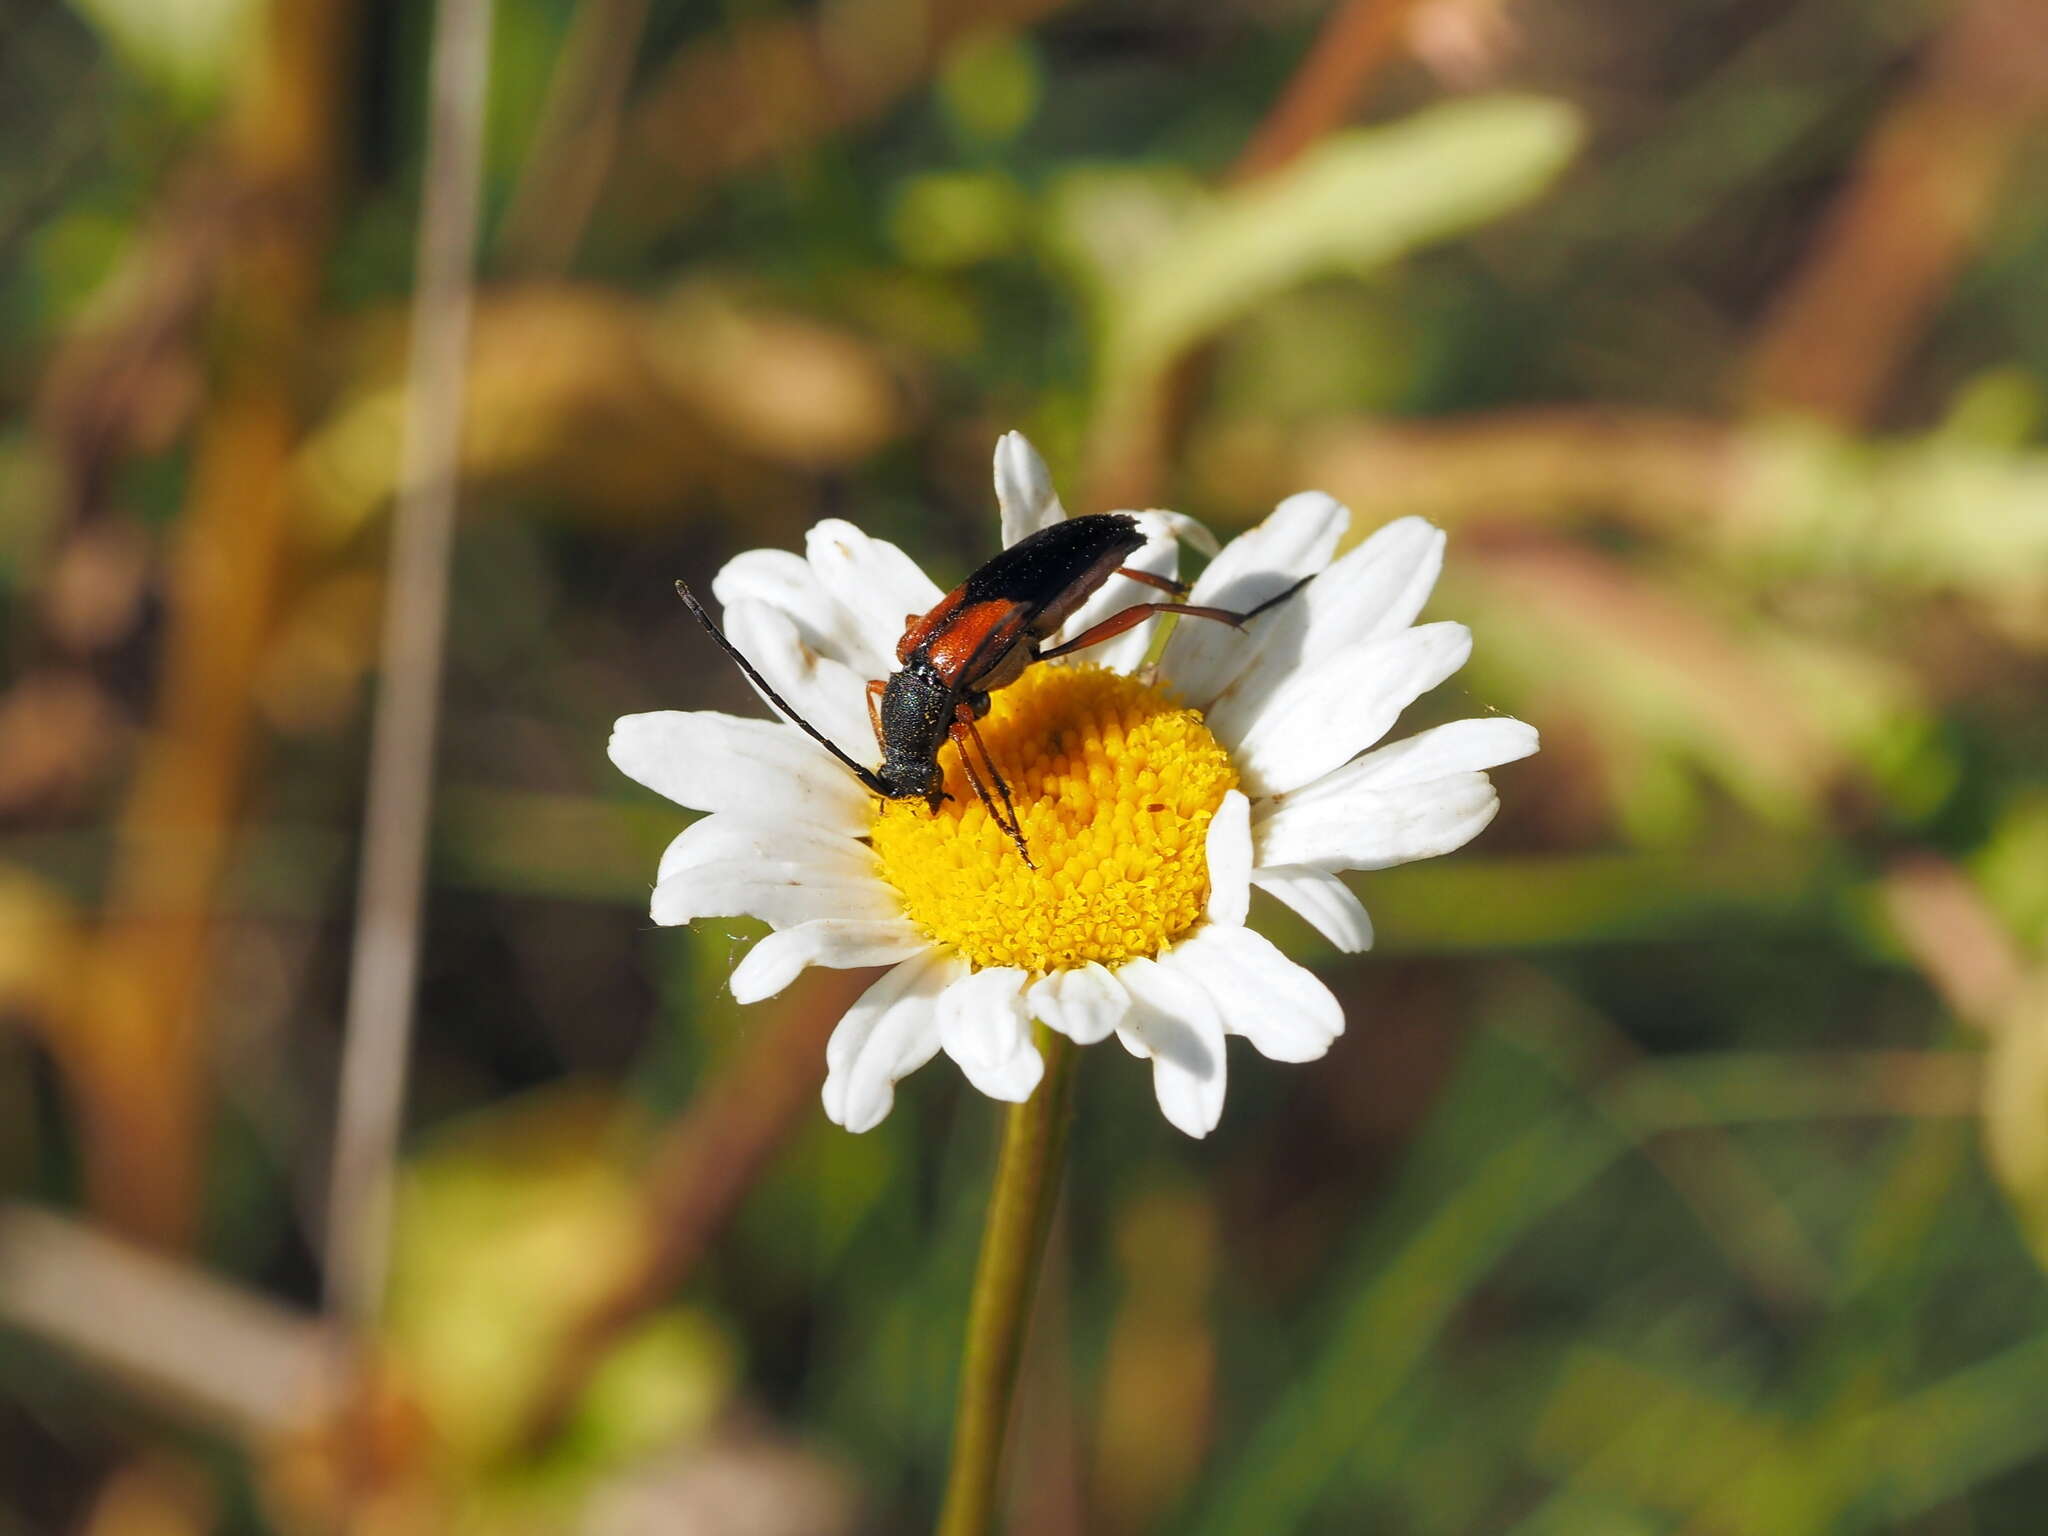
[
  {"x": 784, "y": 580},
  {"x": 828, "y": 693},
  {"x": 835, "y": 942},
  {"x": 1446, "y": 752},
  {"x": 1297, "y": 540},
  {"x": 986, "y": 1029},
  {"x": 891, "y": 1032},
  {"x": 780, "y": 893},
  {"x": 875, "y": 582},
  {"x": 1372, "y": 829},
  {"x": 1324, "y": 901},
  {"x": 779, "y": 577},
  {"x": 1084, "y": 1003},
  {"x": 1158, "y": 556},
  {"x": 1178, "y": 526},
  {"x": 714, "y": 762},
  {"x": 1229, "y": 852},
  {"x": 1374, "y": 591},
  {"x": 1321, "y": 717},
  {"x": 1024, "y": 492},
  {"x": 714, "y": 839},
  {"x": 1381, "y": 585},
  {"x": 1281, "y": 1007},
  {"x": 1463, "y": 746},
  {"x": 1174, "y": 1022}
]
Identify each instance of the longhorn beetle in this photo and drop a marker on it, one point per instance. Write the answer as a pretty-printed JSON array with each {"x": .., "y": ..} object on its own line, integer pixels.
[{"x": 981, "y": 637}]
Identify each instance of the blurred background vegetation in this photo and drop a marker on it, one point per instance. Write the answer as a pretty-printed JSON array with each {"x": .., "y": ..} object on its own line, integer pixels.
[{"x": 1685, "y": 1167}]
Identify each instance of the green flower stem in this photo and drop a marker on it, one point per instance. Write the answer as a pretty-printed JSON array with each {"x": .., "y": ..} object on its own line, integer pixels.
[{"x": 1012, "y": 1246}]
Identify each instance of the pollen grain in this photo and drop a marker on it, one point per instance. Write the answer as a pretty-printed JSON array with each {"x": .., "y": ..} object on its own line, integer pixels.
[{"x": 1115, "y": 784}]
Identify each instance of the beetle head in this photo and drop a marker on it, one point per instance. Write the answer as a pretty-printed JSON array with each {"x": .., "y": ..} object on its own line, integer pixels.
[{"x": 914, "y": 778}]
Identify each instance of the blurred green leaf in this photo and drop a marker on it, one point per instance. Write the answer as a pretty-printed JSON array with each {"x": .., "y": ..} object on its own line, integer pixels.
[
  {"x": 2003, "y": 408},
  {"x": 1614, "y": 1427},
  {"x": 990, "y": 86},
  {"x": 2012, "y": 868},
  {"x": 955, "y": 219},
  {"x": 186, "y": 48},
  {"x": 1356, "y": 201},
  {"x": 509, "y": 1229},
  {"x": 1941, "y": 513},
  {"x": 1511, "y": 1147},
  {"x": 2016, "y": 1109},
  {"x": 666, "y": 1381},
  {"x": 1474, "y": 903}
]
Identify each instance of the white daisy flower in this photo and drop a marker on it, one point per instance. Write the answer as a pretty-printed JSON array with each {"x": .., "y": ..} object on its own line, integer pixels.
[{"x": 1152, "y": 800}]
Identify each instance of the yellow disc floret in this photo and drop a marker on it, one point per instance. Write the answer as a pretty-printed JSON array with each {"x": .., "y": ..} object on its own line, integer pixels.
[{"x": 1115, "y": 785}]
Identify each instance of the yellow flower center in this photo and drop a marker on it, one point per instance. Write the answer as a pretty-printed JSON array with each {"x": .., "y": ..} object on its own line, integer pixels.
[{"x": 1115, "y": 785}]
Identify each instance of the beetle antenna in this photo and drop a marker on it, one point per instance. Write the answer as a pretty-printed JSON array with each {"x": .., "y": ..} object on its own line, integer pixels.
[
  {"x": 867, "y": 776},
  {"x": 1276, "y": 599}
]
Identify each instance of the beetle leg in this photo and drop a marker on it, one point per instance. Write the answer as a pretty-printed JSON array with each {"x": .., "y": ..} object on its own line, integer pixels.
[
  {"x": 1163, "y": 583},
  {"x": 875, "y": 689},
  {"x": 1138, "y": 613},
  {"x": 964, "y": 733},
  {"x": 965, "y": 714},
  {"x": 1131, "y": 618}
]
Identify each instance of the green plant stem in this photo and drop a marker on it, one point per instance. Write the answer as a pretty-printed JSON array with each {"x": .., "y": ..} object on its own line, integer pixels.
[{"x": 1012, "y": 1246}]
